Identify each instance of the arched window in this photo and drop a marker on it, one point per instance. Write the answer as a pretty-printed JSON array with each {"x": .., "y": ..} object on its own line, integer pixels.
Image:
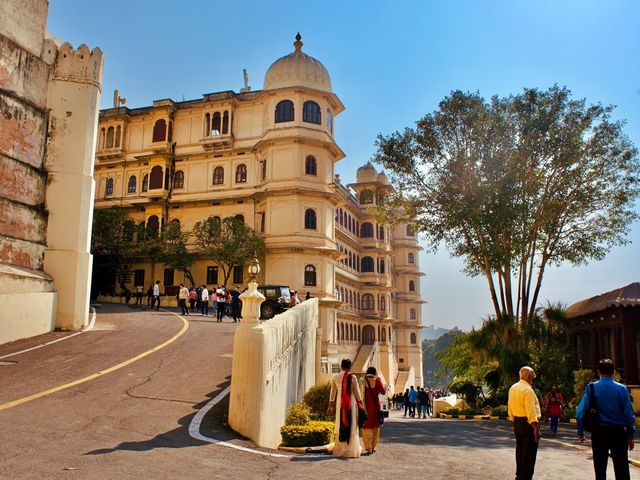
[
  {"x": 341, "y": 216},
  {"x": 367, "y": 302},
  {"x": 108, "y": 188},
  {"x": 215, "y": 124},
  {"x": 380, "y": 232},
  {"x": 381, "y": 266},
  {"x": 342, "y": 331},
  {"x": 309, "y": 276},
  {"x": 102, "y": 139},
  {"x": 310, "y": 219},
  {"x": 367, "y": 265},
  {"x": 357, "y": 230},
  {"x": 383, "y": 303},
  {"x": 352, "y": 335},
  {"x": 156, "y": 178},
  {"x": 358, "y": 301},
  {"x": 310, "y": 165},
  {"x": 350, "y": 260},
  {"x": 145, "y": 182},
  {"x": 366, "y": 196},
  {"x": 241, "y": 173},
  {"x": 118, "y": 135},
  {"x": 110, "y": 133},
  {"x": 413, "y": 339},
  {"x": 412, "y": 314},
  {"x": 207, "y": 124},
  {"x": 412, "y": 286},
  {"x": 159, "y": 131},
  {"x": 359, "y": 332},
  {"x": 368, "y": 335},
  {"x": 329, "y": 121},
  {"x": 411, "y": 258},
  {"x": 178, "y": 179},
  {"x": 358, "y": 262},
  {"x": 366, "y": 230},
  {"x": 284, "y": 111},
  {"x": 383, "y": 334},
  {"x": 311, "y": 112},
  {"x": 240, "y": 217},
  {"x": 410, "y": 231},
  {"x": 131, "y": 186},
  {"x": 218, "y": 176},
  {"x": 225, "y": 122},
  {"x": 153, "y": 225}
]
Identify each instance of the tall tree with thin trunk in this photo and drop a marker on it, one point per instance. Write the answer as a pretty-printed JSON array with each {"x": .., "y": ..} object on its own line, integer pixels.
[
  {"x": 515, "y": 184},
  {"x": 227, "y": 242}
]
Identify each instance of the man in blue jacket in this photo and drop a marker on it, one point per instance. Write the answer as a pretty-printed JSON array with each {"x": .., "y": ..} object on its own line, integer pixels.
[{"x": 616, "y": 423}]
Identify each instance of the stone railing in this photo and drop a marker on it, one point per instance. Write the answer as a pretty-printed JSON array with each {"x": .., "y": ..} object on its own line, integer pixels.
[{"x": 274, "y": 364}]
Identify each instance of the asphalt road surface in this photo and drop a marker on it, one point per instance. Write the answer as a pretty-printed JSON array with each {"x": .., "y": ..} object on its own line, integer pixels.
[{"x": 117, "y": 402}]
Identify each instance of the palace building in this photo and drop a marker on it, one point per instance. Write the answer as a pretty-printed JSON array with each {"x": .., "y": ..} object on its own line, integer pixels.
[{"x": 267, "y": 157}]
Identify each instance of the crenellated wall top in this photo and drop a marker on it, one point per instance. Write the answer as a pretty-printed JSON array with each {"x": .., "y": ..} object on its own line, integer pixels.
[{"x": 80, "y": 65}]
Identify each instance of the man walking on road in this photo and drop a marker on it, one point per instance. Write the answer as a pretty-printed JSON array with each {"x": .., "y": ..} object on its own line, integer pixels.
[
  {"x": 156, "y": 296},
  {"x": 204, "y": 301},
  {"x": 524, "y": 410},
  {"x": 615, "y": 427},
  {"x": 183, "y": 296}
]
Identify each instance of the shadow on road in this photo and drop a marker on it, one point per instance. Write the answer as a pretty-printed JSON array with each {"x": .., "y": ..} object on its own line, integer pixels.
[{"x": 179, "y": 437}]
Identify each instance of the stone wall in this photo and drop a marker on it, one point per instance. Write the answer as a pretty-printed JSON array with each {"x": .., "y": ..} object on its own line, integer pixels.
[
  {"x": 274, "y": 364},
  {"x": 48, "y": 116}
]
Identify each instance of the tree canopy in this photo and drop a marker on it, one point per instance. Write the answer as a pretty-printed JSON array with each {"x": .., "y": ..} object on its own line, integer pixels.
[
  {"x": 515, "y": 184},
  {"x": 227, "y": 242}
]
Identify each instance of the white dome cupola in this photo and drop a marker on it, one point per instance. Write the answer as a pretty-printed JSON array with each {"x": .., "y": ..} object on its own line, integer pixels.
[{"x": 297, "y": 70}]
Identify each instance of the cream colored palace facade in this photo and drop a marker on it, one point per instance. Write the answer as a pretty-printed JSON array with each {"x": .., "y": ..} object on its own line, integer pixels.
[{"x": 268, "y": 157}]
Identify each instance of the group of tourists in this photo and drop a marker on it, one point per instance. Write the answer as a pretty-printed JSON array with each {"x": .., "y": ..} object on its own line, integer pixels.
[
  {"x": 221, "y": 301},
  {"x": 417, "y": 402},
  {"x": 604, "y": 410}
]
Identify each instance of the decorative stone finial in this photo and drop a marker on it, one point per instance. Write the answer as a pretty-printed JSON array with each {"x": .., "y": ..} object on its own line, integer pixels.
[{"x": 298, "y": 44}]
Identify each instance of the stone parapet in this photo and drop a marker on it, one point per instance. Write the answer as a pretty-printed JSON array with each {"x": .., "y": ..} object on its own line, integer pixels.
[{"x": 274, "y": 364}]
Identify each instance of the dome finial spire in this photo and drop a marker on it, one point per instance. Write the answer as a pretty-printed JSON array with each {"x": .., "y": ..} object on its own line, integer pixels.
[{"x": 298, "y": 44}]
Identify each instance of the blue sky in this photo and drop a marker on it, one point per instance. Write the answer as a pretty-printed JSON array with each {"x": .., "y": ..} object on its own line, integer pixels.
[{"x": 390, "y": 63}]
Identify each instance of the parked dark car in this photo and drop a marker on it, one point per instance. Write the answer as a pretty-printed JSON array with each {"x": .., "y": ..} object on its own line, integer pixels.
[{"x": 277, "y": 298}]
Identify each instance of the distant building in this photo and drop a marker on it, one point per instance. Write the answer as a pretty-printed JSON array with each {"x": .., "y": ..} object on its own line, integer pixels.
[
  {"x": 267, "y": 157},
  {"x": 608, "y": 326},
  {"x": 49, "y": 97}
]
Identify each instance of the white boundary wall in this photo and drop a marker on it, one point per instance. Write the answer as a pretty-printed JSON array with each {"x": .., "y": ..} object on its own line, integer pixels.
[{"x": 274, "y": 364}]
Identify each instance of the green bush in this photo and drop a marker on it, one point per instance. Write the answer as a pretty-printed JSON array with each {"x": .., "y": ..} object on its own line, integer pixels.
[
  {"x": 469, "y": 390},
  {"x": 581, "y": 378},
  {"x": 317, "y": 398},
  {"x": 500, "y": 411},
  {"x": 298, "y": 414},
  {"x": 470, "y": 411},
  {"x": 570, "y": 412},
  {"x": 311, "y": 435},
  {"x": 452, "y": 411}
]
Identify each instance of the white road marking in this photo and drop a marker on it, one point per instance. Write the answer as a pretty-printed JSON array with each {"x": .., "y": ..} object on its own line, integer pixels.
[
  {"x": 194, "y": 429},
  {"x": 89, "y": 327}
]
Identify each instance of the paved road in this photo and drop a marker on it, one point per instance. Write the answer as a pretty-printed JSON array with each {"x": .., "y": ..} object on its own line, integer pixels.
[{"x": 132, "y": 423}]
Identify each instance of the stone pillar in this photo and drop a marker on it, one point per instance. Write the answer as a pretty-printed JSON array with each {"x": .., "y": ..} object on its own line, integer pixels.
[{"x": 73, "y": 100}]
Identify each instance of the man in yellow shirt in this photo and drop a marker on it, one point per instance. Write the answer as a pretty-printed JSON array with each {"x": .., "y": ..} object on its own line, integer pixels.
[{"x": 524, "y": 411}]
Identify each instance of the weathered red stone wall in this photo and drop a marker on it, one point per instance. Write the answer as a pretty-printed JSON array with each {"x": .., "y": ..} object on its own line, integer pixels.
[{"x": 23, "y": 125}]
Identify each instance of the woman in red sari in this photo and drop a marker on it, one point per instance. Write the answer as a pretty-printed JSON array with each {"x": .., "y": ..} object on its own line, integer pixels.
[{"x": 371, "y": 429}]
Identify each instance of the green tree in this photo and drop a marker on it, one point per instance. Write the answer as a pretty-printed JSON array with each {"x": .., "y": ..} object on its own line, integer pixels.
[
  {"x": 111, "y": 245},
  {"x": 514, "y": 185},
  {"x": 173, "y": 251},
  {"x": 227, "y": 242}
]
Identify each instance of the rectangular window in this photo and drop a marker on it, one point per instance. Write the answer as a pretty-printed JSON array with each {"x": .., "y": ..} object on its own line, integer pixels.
[
  {"x": 212, "y": 275},
  {"x": 138, "y": 278},
  {"x": 168, "y": 276},
  {"x": 238, "y": 271},
  {"x": 264, "y": 169},
  {"x": 262, "y": 222}
]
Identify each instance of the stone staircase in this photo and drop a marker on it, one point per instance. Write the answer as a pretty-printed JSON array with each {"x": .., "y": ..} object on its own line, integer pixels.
[{"x": 364, "y": 356}]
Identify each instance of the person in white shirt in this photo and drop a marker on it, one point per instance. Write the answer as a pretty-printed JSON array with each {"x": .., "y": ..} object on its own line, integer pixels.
[
  {"x": 204, "y": 304},
  {"x": 183, "y": 296},
  {"x": 156, "y": 296}
]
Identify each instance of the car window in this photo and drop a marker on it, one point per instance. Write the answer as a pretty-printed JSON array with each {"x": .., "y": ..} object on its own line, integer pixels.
[
  {"x": 284, "y": 293},
  {"x": 271, "y": 292}
]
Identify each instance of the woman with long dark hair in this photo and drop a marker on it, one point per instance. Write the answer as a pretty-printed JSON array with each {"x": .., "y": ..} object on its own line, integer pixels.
[
  {"x": 345, "y": 395},
  {"x": 371, "y": 429}
]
